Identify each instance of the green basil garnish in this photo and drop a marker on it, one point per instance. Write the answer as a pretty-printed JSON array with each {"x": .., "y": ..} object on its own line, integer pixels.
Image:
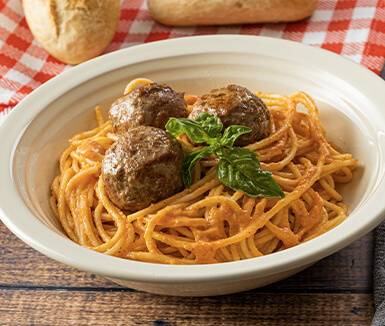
[{"x": 239, "y": 168}]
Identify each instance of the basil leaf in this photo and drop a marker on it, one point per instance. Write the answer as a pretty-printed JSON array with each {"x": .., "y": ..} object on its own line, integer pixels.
[
  {"x": 193, "y": 130},
  {"x": 236, "y": 155},
  {"x": 190, "y": 160},
  {"x": 240, "y": 169},
  {"x": 211, "y": 124},
  {"x": 232, "y": 133}
]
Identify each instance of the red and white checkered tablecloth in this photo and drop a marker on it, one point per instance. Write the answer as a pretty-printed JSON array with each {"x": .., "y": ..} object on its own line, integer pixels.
[{"x": 352, "y": 28}]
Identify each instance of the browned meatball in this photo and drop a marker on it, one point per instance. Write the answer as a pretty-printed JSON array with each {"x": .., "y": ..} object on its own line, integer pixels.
[
  {"x": 149, "y": 105},
  {"x": 236, "y": 105},
  {"x": 142, "y": 167}
]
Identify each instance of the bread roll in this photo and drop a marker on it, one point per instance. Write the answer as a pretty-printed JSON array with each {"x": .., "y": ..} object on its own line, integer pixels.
[
  {"x": 73, "y": 31},
  {"x": 222, "y": 12}
]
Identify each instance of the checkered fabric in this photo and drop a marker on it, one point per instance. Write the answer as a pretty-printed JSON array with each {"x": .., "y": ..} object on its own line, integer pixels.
[{"x": 352, "y": 28}]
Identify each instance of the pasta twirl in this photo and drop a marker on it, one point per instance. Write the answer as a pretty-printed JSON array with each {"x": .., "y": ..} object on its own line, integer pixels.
[{"x": 209, "y": 223}]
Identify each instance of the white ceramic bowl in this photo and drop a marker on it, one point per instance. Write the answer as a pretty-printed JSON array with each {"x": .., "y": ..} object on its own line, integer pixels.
[{"x": 352, "y": 107}]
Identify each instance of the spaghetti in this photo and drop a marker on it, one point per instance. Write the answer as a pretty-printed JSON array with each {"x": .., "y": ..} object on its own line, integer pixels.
[{"x": 209, "y": 223}]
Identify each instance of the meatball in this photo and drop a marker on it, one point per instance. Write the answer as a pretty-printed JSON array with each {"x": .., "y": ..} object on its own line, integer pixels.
[
  {"x": 149, "y": 105},
  {"x": 236, "y": 105},
  {"x": 142, "y": 167}
]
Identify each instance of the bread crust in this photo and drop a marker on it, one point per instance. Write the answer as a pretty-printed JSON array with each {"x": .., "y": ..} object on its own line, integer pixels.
[
  {"x": 73, "y": 31},
  {"x": 225, "y": 12}
]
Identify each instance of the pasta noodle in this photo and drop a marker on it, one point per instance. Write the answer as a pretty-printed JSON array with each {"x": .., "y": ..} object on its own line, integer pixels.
[{"x": 209, "y": 223}]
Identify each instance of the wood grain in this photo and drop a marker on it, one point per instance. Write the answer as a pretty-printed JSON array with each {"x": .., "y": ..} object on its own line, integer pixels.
[
  {"x": 36, "y": 290},
  {"x": 123, "y": 308}
]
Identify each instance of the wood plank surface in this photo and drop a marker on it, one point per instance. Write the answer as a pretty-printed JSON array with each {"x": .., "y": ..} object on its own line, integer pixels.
[
  {"x": 36, "y": 290},
  {"x": 122, "y": 308}
]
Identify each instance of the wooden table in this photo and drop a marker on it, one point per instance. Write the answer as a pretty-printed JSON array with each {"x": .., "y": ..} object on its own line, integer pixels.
[{"x": 35, "y": 290}]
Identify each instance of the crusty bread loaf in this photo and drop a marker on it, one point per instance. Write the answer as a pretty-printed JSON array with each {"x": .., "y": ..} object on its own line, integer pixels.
[
  {"x": 73, "y": 31},
  {"x": 222, "y": 12}
]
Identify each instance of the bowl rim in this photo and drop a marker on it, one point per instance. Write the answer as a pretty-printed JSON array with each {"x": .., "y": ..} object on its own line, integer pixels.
[{"x": 13, "y": 209}]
